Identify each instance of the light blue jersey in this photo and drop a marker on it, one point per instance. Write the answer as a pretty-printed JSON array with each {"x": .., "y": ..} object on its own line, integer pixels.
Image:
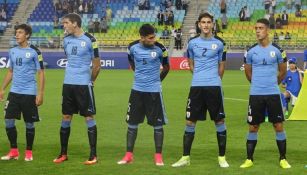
[
  {"x": 147, "y": 61},
  {"x": 25, "y": 62},
  {"x": 264, "y": 63},
  {"x": 206, "y": 54},
  {"x": 293, "y": 82},
  {"x": 79, "y": 51}
]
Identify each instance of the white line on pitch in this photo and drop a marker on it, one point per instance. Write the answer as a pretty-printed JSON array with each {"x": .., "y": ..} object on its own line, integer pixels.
[{"x": 235, "y": 99}]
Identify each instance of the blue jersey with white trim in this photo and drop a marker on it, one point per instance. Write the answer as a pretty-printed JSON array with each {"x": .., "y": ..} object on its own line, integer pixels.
[
  {"x": 25, "y": 62},
  {"x": 147, "y": 61},
  {"x": 206, "y": 54}
]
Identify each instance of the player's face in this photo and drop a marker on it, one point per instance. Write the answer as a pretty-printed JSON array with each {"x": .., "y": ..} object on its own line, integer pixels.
[
  {"x": 292, "y": 66},
  {"x": 21, "y": 36},
  {"x": 68, "y": 26},
  {"x": 205, "y": 25},
  {"x": 148, "y": 40},
  {"x": 262, "y": 31}
]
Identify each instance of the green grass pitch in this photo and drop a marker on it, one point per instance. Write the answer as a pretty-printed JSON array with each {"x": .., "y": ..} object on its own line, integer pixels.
[{"x": 112, "y": 90}]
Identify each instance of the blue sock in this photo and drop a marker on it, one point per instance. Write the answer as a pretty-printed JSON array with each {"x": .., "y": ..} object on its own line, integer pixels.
[
  {"x": 90, "y": 123},
  {"x": 280, "y": 135},
  {"x": 65, "y": 123},
  {"x": 252, "y": 136},
  {"x": 9, "y": 123},
  {"x": 220, "y": 127},
  {"x": 29, "y": 125},
  {"x": 190, "y": 128}
]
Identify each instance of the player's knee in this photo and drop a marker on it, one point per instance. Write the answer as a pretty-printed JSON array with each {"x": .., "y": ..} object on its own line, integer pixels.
[
  {"x": 253, "y": 128},
  {"x": 278, "y": 127},
  {"x": 67, "y": 117},
  {"x": 29, "y": 125},
  {"x": 9, "y": 123},
  {"x": 90, "y": 123},
  {"x": 190, "y": 123}
]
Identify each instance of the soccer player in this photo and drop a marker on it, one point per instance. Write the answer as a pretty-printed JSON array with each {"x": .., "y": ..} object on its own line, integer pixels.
[
  {"x": 146, "y": 55},
  {"x": 25, "y": 61},
  {"x": 206, "y": 57},
  {"x": 292, "y": 82},
  {"x": 78, "y": 97},
  {"x": 265, "y": 68}
]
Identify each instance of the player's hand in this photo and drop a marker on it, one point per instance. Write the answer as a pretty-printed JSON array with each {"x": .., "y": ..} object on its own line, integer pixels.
[
  {"x": 2, "y": 95},
  {"x": 39, "y": 100}
]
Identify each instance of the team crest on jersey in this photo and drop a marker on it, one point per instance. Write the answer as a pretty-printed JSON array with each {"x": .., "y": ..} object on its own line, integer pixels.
[
  {"x": 272, "y": 53},
  {"x": 153, "y": 54},
  {"x": 28, "y": 54},
  {"x": 214, "y": 46},
  {"x": 83, "y": 44}
]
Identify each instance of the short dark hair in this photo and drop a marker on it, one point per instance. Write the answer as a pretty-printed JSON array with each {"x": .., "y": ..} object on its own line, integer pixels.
[
  {"x": 205, "y": 15},
  {"x": 264, "y": 21},
  {"x": 74, "y": 17},
  {"x": 146, "y": 29},
  {"x": 27, "y": 28}
]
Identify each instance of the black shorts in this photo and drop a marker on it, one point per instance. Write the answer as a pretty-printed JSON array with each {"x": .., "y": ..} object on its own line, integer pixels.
[
  {"x": 259, "y": 104},
  {"x": 202, "y": 99},
  {"x": 21, "y": 103},
  {"x": 78, "y": 99},
  {"x": 146, "y": 103}
]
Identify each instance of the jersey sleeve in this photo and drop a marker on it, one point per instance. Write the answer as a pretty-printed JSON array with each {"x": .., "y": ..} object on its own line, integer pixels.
[
  {"x": 38, "y": 59},
  {"x": 190, "y": 52},
  {"x": 10, "y": 64},
  {"x": 282, "y": 56},
  {"x": 247, "y": 57},
  {"x": 222, "y": 52},
  {"x": 164, "y": 57}
]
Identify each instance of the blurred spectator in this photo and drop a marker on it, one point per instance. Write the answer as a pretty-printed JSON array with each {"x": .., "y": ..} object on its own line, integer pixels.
[
  {"x": 80, "y": 9},
  {"x": 185, "y": 6},
  {"x": 165, "y": 33},
  {"x": 141, "y": 4},
  {"x": 55, "y": 22},
  {"x": 173, "y": 31},
  {"x": 3, "y": 15},
  {"x": 178, "y": 39},
  {"x": 216, "y": 27},
  {"x": 223, "y": 6},
  {"x": 178, "y": 4},
  {"x": 284, "y": 18},
  {"x": 267, "y": 5},
  {"x": 104, "y": 25},
  {"x": 146, "y": 5},
  {"x": 85, "y": 8},
  {"x": 278, "y": 22},
  {"x": 272, "y": 21},
  {"x": 96, "y": 26},
  {"x": 289, "y": 4},
  {"x": 298, "y": 13},
  {"x": 160, "y": 17},
  {"x": 90, "y": 6},
  {"x": 109, "y": 14},
  {"x": 171, "y": 18},
  {"x": 224, "y": 21},
  {"x": 298, "y": 4},
  {"x": 287, "y": 37},
  {"x": 273, "y": 6},
  {"x": 247, "y": 14},
  {"x": 91, "y": 26},
  {"x": 281, "y": 36},
  {"x": 166, "y": 18},
  {"x": 275, "y": 38},
  {"x": 192, "y": 32},
  {"x": 242, "y": 14}
]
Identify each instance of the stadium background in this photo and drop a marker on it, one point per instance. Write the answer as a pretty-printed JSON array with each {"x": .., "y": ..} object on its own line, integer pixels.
[{"x": 113, "y": 86}]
